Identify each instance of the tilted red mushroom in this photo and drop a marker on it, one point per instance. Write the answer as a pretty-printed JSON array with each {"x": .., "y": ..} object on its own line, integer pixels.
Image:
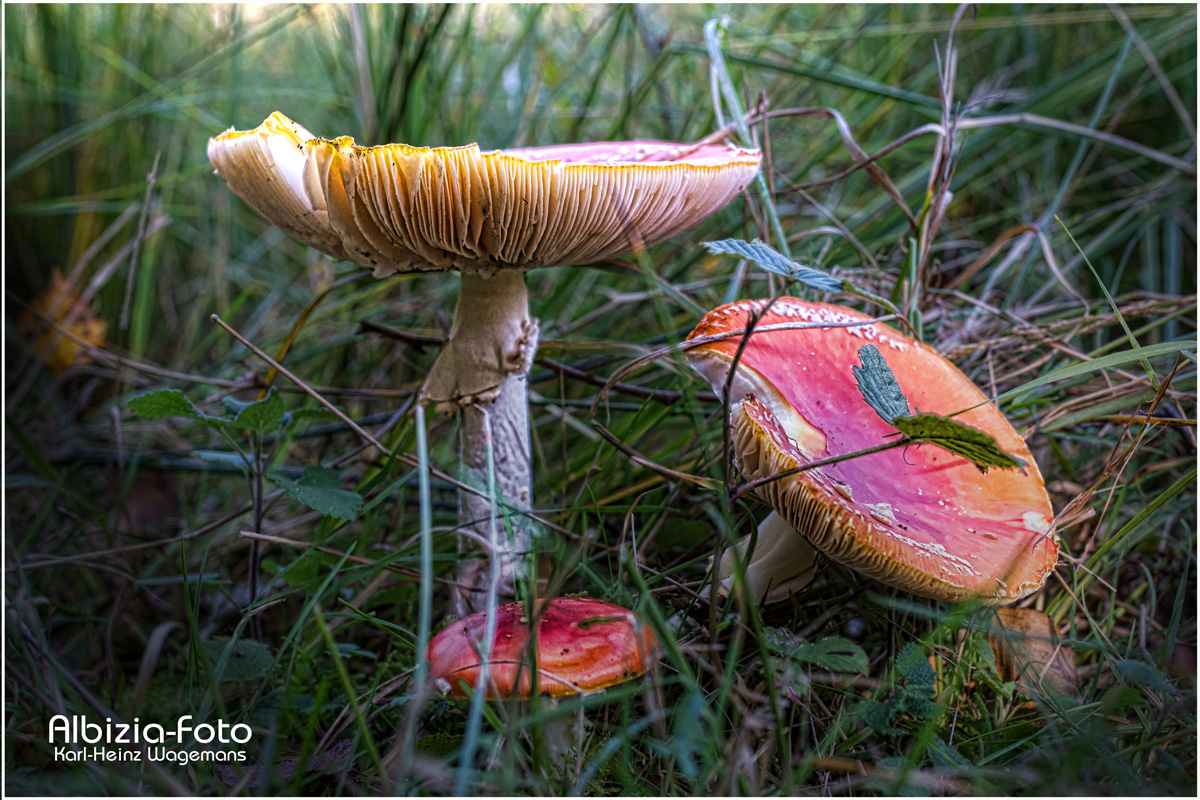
[
  {"x": 490, "y": 216},
  {"x": 583, "y": 645},
  {"x": 918, "y": 518}
]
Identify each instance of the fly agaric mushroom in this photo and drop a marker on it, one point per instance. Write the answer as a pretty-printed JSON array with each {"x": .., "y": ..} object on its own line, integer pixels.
[
  {"x": 490, "y": 216},
  {"x": 583, "y": 645},
  {"x": 918, "y": 518}
]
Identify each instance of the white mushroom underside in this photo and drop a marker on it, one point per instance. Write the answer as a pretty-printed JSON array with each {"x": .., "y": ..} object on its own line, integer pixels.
[{"x": 781, "y": 565}]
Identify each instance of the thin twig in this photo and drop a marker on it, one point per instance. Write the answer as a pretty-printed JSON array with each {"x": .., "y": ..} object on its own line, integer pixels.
[{"x": 137, "y": 243}]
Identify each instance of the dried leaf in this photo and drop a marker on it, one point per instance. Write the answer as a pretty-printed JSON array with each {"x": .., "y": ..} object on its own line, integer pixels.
[
  {"x": 1028, "y": 650},
  {"x": 62, "y": 304}
]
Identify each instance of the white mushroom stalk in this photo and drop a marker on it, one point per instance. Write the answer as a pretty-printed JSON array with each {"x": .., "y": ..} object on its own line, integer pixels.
[
  {"x": 781, "y": 564},
  {"x": 482, "y": 370},
  {"x": 491, "y": 216}
]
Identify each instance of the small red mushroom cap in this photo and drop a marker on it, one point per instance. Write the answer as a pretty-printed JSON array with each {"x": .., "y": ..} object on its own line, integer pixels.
[
  {"x": 918, "y": 518},
  {"x": 582, "y": 645}
]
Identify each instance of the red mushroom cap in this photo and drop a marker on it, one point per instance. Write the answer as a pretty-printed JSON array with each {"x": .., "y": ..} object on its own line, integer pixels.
[
  {"x": 918, "y": 518},
  {"x": 583, "y": 645}
]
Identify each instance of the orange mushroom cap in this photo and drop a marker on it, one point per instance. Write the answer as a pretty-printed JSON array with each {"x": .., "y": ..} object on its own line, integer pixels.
[
  {"x": 582, "y": 645},
  {"x": 918, "y": 518},
  {"x": 396, "y": 207}
]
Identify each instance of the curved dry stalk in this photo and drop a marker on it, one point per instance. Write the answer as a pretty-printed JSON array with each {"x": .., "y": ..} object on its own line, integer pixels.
[{"x": 638, "y": 363}]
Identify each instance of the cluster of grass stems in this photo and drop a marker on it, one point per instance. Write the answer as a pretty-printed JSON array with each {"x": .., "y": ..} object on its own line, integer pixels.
[{"x": 1017, "y": 181}]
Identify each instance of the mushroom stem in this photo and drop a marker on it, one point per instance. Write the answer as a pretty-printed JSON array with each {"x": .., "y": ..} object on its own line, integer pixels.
[
  {"x": 781, "y": 564},
  {"x": 482, "y": 372}
]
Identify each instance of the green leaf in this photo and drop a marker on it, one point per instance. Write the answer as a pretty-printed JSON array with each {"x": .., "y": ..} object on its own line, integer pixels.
[
  {"x": 833, "y": 653},
  {"x": 162, "y": 403},
  {"x": 914, "y": 666},
  {"x": 882, "y": 393},
  {"x": 972, "y": 444},
  {"x": 349, "y": 650},
  {"x": 247, "y": 660},
  {"x": 981, "y": 655},
  {"x": 320, "y": 488},
  {"x": 945, "y": 756},
  {"x": 438, "y": 744},
  {"x": 878, "y": 385},
  {"x": 772, "y": 260},
  {"x": 233, "y": 406},
  {"x": 781, "y": 641},
  {"x": 262, "y": 415}
]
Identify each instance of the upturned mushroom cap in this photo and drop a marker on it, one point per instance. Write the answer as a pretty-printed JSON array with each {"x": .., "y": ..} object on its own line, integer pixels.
[
  {"x": 583, "y": 645},
  {"x": 395, "y": 207},
  {"x": 917, "y": 518}
]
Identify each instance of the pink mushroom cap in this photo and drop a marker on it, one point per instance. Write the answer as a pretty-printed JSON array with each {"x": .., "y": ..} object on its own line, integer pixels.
[{"x": 918, "y": 518}]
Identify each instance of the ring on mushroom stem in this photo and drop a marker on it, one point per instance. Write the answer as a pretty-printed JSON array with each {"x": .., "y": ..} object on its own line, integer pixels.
[
  {"x": 919, "y": 518},
  {"x": 491, "y": 216},
  {"x": 583, "y": 645}
]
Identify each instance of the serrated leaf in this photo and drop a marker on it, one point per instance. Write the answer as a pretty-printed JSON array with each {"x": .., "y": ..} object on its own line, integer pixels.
[
  {"x": 781, "y": 641},
  {"x": 980, "y": 448},
  {"x": 945, "y": 756},
  {"x": 912, "y": 664},
  {"x": 981, "y": 654},
  {"x": 878, "y": 385},
  {"x": 262, "y": 415},
  {"x": 914, "y": 684},
  {"x": 320, "y": 489},
  {"x": 162, "y": 403},
  {"x": 876, "y": 714},
  {"x": 770, "y": 259},
  {"x": 835, "y": 654}
]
